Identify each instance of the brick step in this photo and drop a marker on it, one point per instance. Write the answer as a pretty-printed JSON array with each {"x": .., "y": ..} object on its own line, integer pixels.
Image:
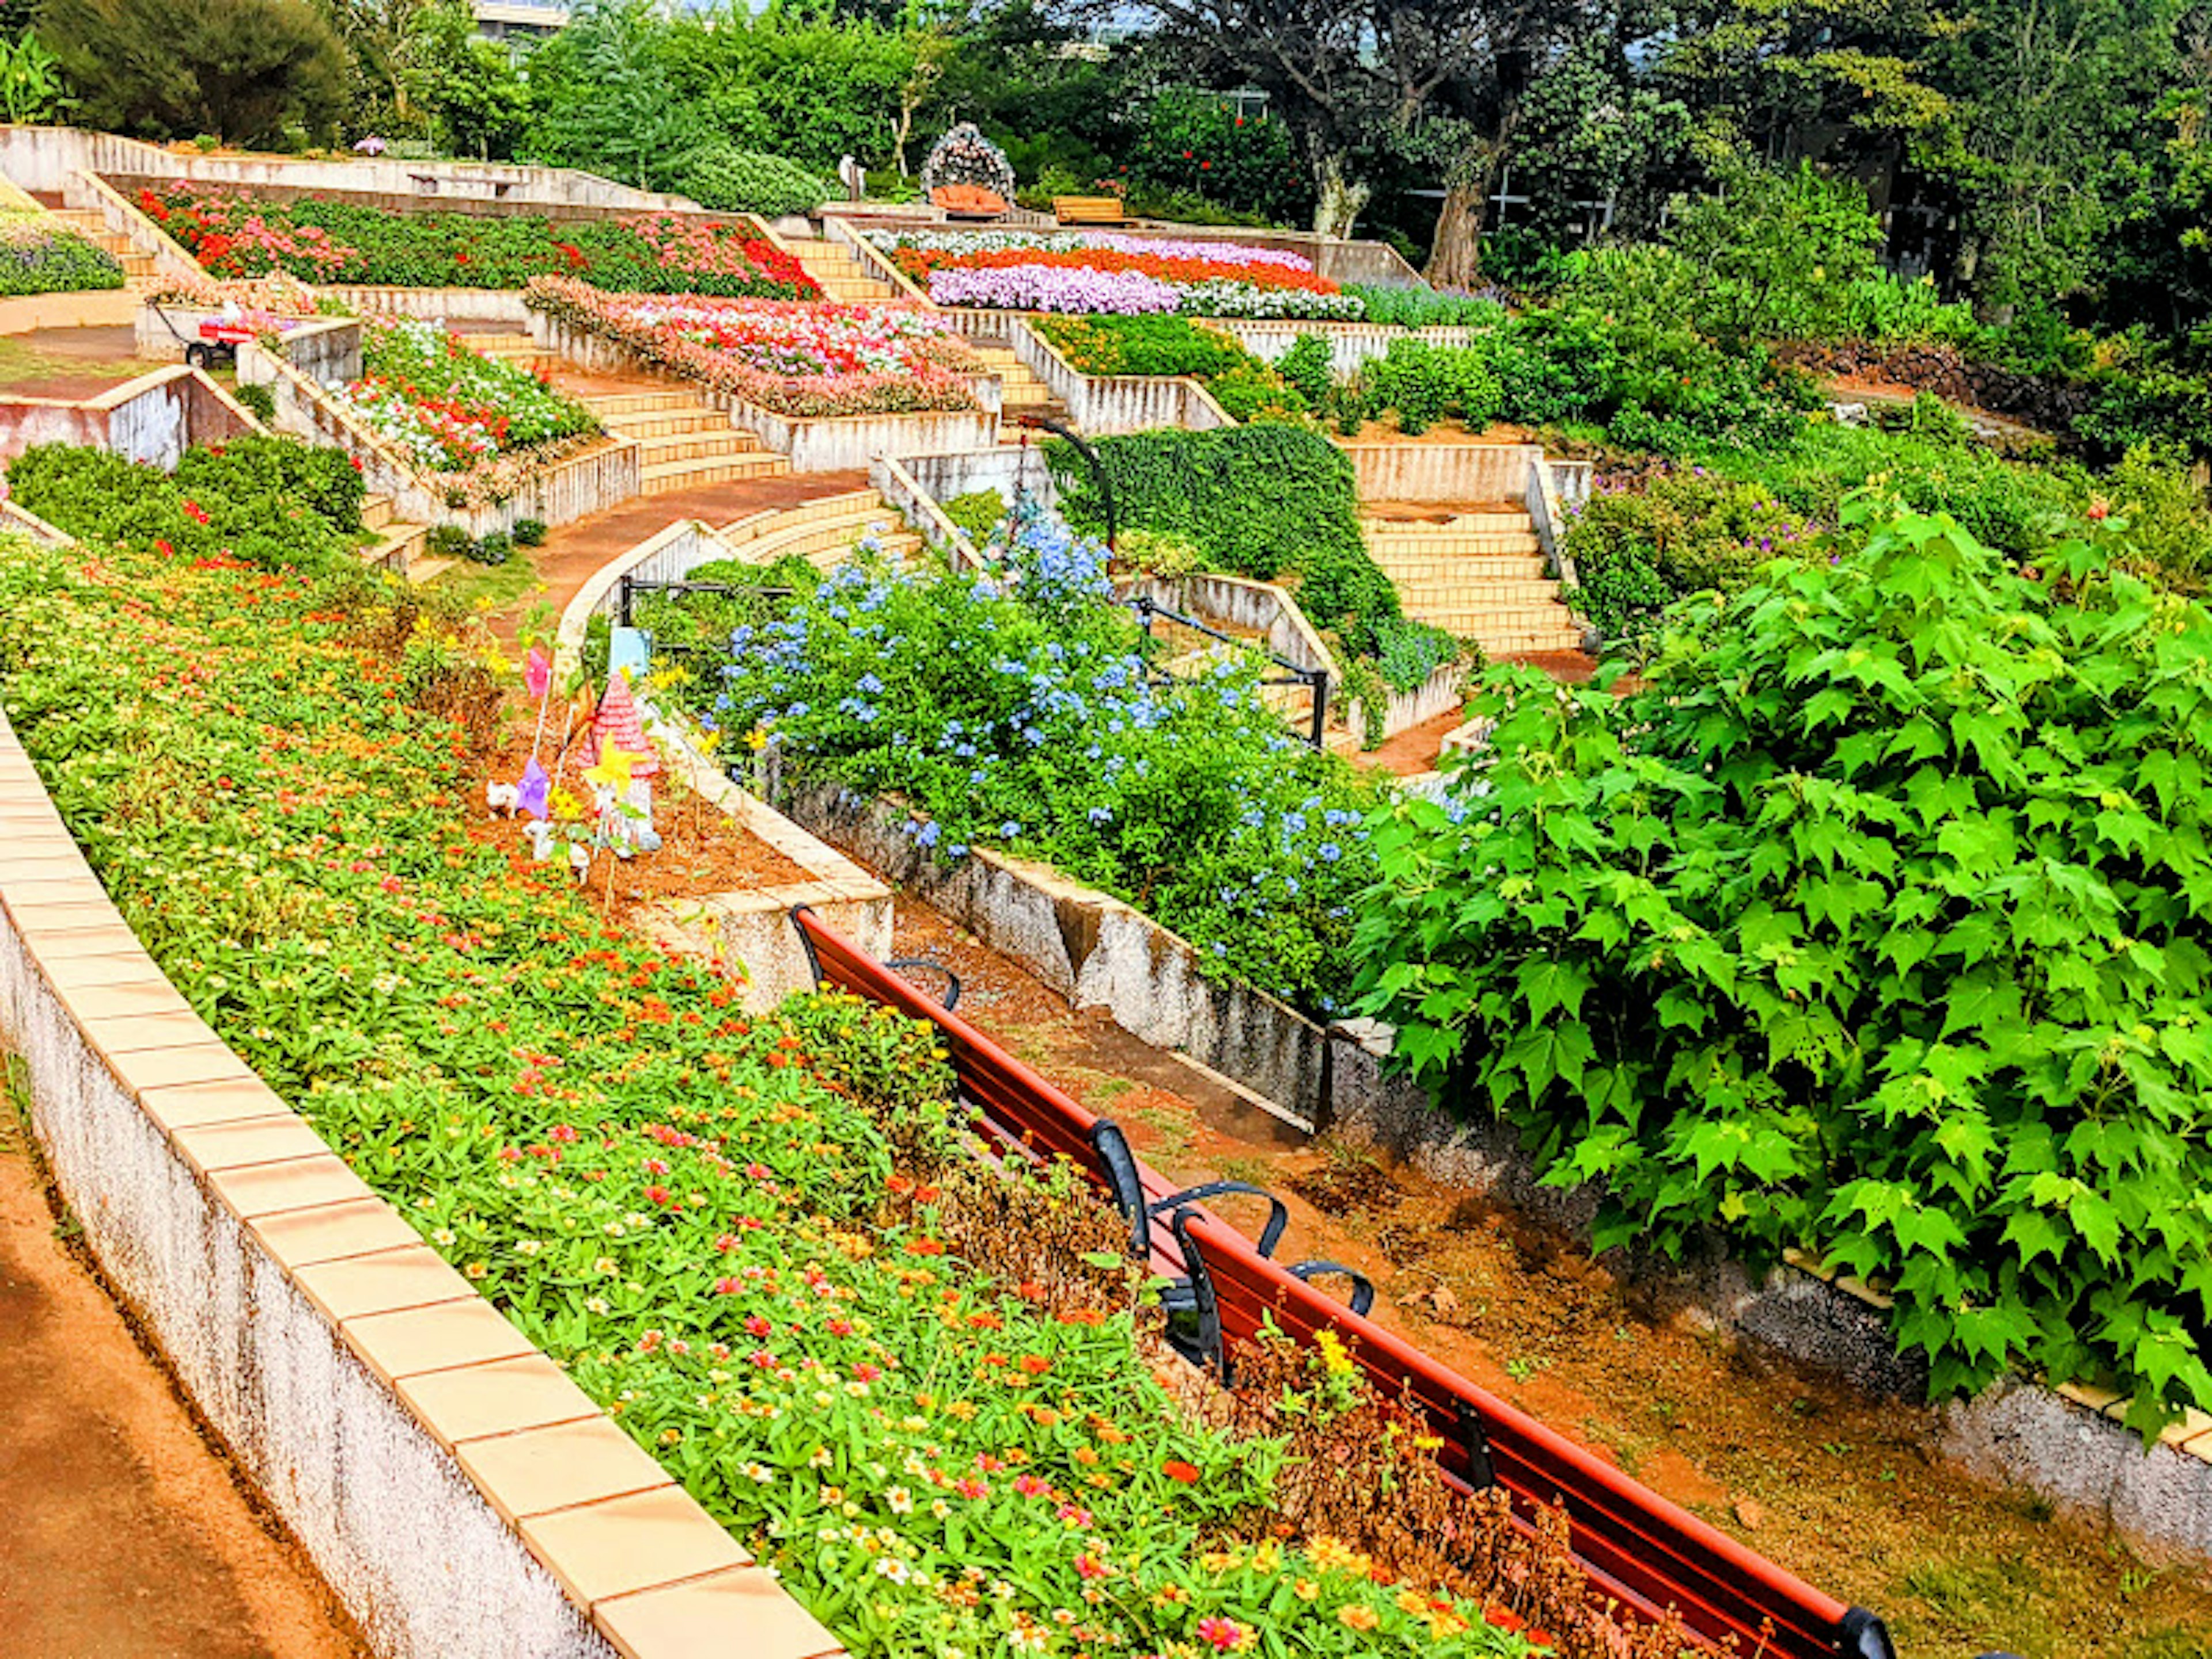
[
  {"x": 695, "y": 446},
  {"x": 609, "y": 405},
  {"x": 1478, "y": 518},
  {"x": 1488, "y": 596},
  {"x": 659, "y": 423},
  {"x": 1440, "y": 548},
  {"x": 738, "y": 531},
  {"x": 659, "y": 479},
  {"x": 1485, "y": 623},
  {"x": 824, "y": 542},
  {"x": 398, "y": 548},
  {"x": 1501, "y": 567}
]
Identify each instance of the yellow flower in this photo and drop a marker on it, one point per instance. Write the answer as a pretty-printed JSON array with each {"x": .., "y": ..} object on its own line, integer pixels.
[
  {"x": 756, "y": 739},
  {"x": 1358, "y": 1616},
  {"x": 1305, "y": 1590}
]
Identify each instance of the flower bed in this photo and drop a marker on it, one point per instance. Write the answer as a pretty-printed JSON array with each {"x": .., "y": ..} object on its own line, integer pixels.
[
  {"x": 805, "y": 362},
  {"x": 1028, "y": 720},
  {"x": 1096, "y": 272},
  {"x": 41, "y": 255},
  {"x": 333, "y": 241},
  {"x": 453, "y": 410},
  {"x": 1242, "y": 385},
  {"x": 715, "y": 1223}
]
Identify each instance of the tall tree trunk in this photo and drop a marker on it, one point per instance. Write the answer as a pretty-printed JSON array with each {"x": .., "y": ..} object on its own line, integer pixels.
[
  {"x": 1341, "y": 199},
  {"x": 1455, "y": 257}
]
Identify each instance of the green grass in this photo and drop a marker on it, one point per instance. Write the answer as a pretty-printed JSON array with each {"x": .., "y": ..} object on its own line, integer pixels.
[{"x": 486, "y": 586}]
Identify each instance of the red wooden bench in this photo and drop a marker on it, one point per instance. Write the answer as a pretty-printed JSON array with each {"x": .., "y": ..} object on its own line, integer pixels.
[{"x": 1639, "y": 1549}]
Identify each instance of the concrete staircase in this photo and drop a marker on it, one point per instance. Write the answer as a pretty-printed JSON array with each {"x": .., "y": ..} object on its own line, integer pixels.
[
  {"x": 1024, "y": 394},
  {"x": 823, "y": 531},
  {"x": 137, "y": 268},
  {"x": 839, "y": 270},
  {"x": 398, "y": 543},
  {"x": 1480, "y": 574},
  {"x": 683, "y": 441}
]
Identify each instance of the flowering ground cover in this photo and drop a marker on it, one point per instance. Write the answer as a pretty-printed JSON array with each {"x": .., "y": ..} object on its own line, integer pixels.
[
  {"x": 236, "y": 235},
  {"x": 1027, "y": 718},
  {"x": 913, "y": 1387},
  {"x": 483, "y": 425},
  {"x": 801, "y": 360},
  {"x": 1099, "y": 271},
  {"x": 38, "y": 254}
]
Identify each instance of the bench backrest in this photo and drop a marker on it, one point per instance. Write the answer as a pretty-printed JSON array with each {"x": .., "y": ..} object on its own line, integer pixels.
[
  {"x": 1077, "y": 210},
  {"x": 1638, "y": 1547},
  {"x": 1660, "y": 1555}
]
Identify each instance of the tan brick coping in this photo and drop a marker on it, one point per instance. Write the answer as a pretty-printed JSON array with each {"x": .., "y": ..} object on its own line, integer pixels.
[{"x": 656, "y": 1576}]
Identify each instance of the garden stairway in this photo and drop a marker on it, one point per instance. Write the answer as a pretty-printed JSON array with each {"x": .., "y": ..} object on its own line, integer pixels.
[
  {"x": 823, "y": 531},
  {"x": 683, "y": 442},
  {"x": 838, "y": 270},
  {"x": 137, "y": 268},
  {"x": 398, "y": 542},
  {"x": 1479, "y": 574}
]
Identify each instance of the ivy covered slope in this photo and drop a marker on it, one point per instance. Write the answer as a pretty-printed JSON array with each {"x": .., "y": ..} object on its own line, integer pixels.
[
  {"x": 728, "y": 1229},
  {"x": 1876, "y": 925}
]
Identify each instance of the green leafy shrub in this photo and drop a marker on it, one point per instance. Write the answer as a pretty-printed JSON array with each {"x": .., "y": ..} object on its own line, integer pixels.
[
  {"x": 38, "y": 254},
  {"x": 1305, "y": 366},
  {"x": 1261, "y": 501},
  {"x": 976, "y": 514},
  {"x": 256, "y": 400},
  {"x": 450, "y": 541},
  {"x": 1424, "y": 384},
  {"x": 1407, "y": 652},
  {"x": 530, "y": 533},
  {"x": 726, "y": 179},
  {"x": 1634, "y": 551},
  {"x": 1872, "y": 926},
  {"x": 494, "y": 548},
  {"x": 265, "y": 501}
]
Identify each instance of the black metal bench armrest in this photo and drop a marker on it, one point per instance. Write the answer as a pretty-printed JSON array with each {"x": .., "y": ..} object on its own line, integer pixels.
[
  {"x": 1363, "y": 1289},
  {"x": 1279, "y": 1214},
  {"x": 951, "y": 979}
]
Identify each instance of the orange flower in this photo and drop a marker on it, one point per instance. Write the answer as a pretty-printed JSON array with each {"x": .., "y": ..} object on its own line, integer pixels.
[
  {"x": 1358, "y": 1616},
  {"x": 1176, "y": 1470}
]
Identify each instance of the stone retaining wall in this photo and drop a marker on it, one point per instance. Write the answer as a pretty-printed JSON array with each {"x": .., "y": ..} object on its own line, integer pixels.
[
  {"x": 1088, "y": 947},
  {"x": 1460, "y": 473},
  {"x": 1350, "y": 344},
  {"x": 42, "y": 158},
  {"x": 1103, "y": 406},
  {"x": 456, "y": 1492},
  {"x": 154, "y": 418}
]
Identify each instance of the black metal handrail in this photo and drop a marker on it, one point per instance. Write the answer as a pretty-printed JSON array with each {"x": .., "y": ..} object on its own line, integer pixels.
[{"x": 1316, "y": 680}]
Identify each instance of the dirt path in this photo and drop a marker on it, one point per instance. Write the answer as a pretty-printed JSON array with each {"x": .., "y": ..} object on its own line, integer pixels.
[
  {"x": 1827, "y": 1482},
  {"x": 123, "y": 1533}
]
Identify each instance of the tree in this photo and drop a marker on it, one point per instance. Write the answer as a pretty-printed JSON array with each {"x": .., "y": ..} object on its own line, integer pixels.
[
  {"x": 1350, "y": 77},
  {"x": 239, "y": 69},
  {"x": 607, "y": 101},
  {"x": 385, "y": 39},
  {"x": 476, "y": 100}
]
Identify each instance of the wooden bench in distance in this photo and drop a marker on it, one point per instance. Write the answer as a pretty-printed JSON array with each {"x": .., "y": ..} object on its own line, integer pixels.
[{"x": 1090, "y": 210}]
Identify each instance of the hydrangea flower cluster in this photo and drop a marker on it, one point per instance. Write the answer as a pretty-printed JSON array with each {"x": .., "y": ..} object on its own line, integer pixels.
[{"x": 1022, "y": 707}]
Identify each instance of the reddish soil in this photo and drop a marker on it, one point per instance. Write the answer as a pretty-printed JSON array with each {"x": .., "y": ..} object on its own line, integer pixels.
[
  {"x": 72, "y": 363},
  {"x": 701, "y": 851},
  {"x": 128, "y": 1532},
  {"x": 1416, "y": 748}
]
